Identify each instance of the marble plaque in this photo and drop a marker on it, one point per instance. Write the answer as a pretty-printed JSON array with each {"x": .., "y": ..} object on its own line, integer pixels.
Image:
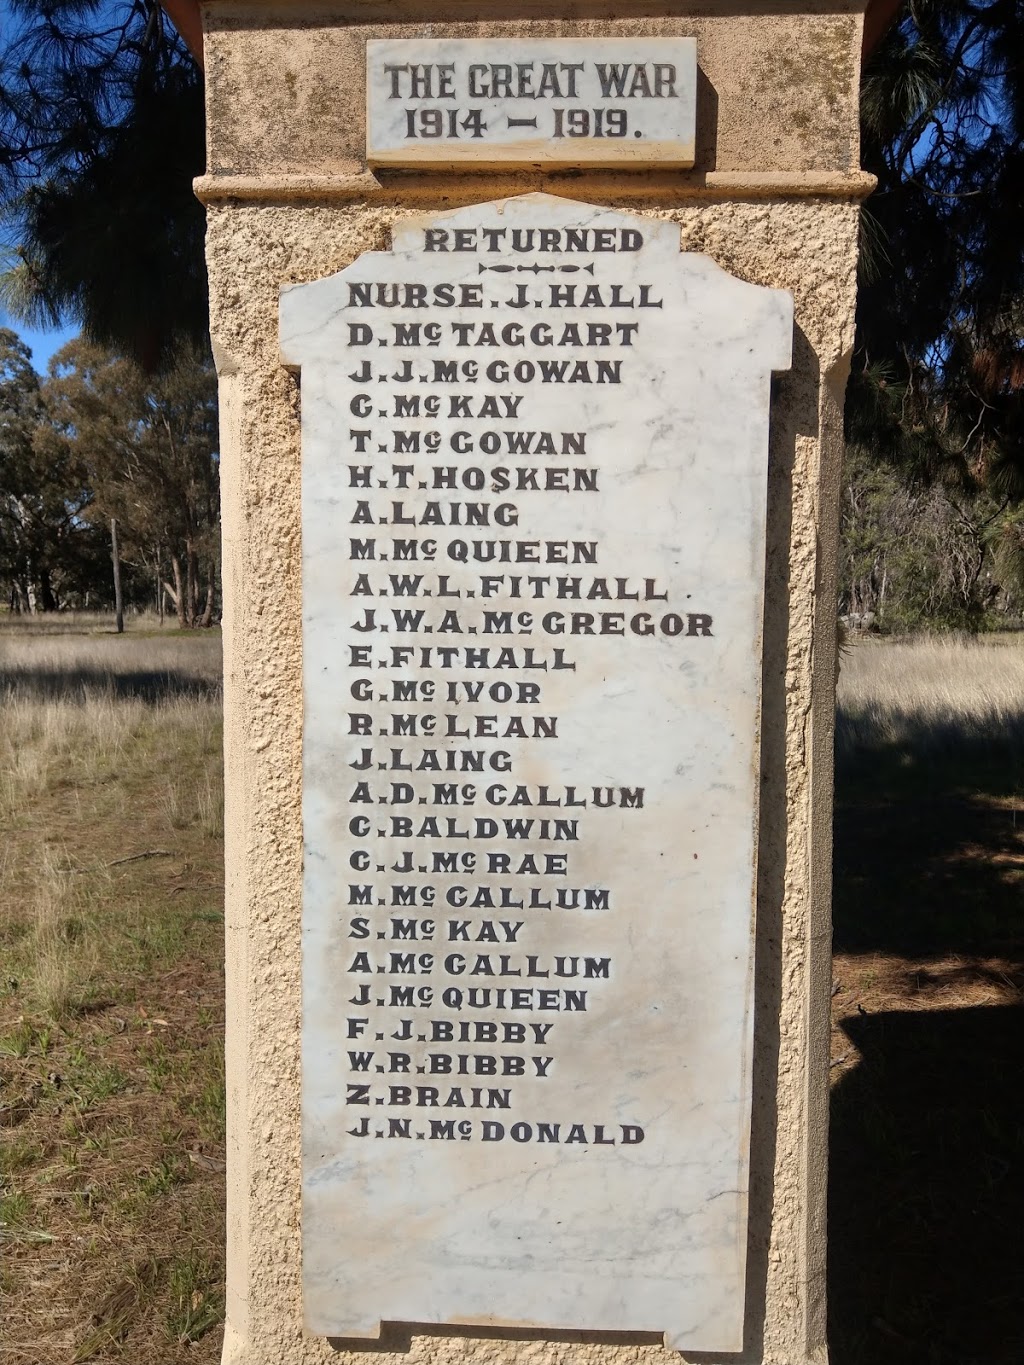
[
  {"x": 534, "y": 455},
  {"x": 481, "y": 103}
]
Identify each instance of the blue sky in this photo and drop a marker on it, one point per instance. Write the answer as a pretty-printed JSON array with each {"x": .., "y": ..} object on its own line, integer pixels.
[{"x": 41, "y": 344}]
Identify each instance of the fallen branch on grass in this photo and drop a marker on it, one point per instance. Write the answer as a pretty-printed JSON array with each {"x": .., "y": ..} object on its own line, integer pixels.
[
  {"x": 132, "y": 858},
  {"x": 135, "y": 857}
]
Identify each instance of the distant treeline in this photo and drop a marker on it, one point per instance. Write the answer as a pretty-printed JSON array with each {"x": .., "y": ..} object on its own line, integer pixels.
[
  {"x": 99, "y": 440},
  {"x": 919, "y": 554}
]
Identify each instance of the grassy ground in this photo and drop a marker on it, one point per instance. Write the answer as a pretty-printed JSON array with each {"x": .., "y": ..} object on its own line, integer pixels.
[
  {"x": 111, "y": 995},
  {"x": 927, "y": 1148},
  {"x": 111, "y": 1027}
]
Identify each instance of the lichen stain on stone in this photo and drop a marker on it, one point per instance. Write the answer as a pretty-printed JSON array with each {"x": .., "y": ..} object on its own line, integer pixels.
[{"x": 818, "y": 70}]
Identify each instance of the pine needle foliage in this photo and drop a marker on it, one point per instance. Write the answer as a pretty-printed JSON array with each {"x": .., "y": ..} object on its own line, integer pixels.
[
  {"x": 101, "y": 133},
  {"x": 942, "y": 276}
]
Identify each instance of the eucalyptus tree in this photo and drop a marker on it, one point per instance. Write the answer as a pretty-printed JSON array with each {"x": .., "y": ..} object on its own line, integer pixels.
[
  {"x": 46, "y": 550},
  {"x": 148, "y": 446}
]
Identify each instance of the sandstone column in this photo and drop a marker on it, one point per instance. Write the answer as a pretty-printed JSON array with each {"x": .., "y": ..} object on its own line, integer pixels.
[{"x": 772, "y": 199}]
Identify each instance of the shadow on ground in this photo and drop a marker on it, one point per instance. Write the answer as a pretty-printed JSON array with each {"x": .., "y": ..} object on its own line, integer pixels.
[
  {"x": 926, "y": 1193},
  {"x": 929, "y": 839},
  {"x": 78, "y": 685}
]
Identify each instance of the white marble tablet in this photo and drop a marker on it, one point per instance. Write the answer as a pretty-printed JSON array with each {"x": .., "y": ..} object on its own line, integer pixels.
[
  {"x": 480, "y": 103},
  {"x": 534, "y": 450}
]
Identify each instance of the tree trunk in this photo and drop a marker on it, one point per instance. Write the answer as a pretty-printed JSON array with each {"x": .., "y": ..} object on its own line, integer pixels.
[
  {"x": 207, "y": 617},
  {"x": 191, "y": 582},
  {"x": 159, "y": 583},
  {"x": 46, "y": 598},
  {"x": 116, "y": 557},
  {"x": 178, "y": 592}
]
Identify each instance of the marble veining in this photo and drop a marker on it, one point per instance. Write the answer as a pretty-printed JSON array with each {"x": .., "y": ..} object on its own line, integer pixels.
[{"x": 534, "y": 459}]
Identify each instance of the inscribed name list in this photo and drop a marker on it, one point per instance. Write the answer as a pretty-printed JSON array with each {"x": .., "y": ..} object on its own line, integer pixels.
[
  {"x": 480, "y": 103},
  {"x": 534, "y": 454}
]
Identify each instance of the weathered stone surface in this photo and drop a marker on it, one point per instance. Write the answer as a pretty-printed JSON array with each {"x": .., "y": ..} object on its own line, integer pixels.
[
  {"x": 546, "y": 102},
  {"x": 555, "y": 388}
]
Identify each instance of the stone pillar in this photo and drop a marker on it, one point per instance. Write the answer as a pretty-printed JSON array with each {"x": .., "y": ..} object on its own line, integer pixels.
[{"x": 773, "y": 199}]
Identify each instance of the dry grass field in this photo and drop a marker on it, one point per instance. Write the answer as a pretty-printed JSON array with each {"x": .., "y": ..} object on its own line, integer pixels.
[
  {"x": 111, "y": 994},
  {"x": 111, "y": 1024},
  {"x": 919, "y": 701},
  {"x": 927, "y": 1149}
]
